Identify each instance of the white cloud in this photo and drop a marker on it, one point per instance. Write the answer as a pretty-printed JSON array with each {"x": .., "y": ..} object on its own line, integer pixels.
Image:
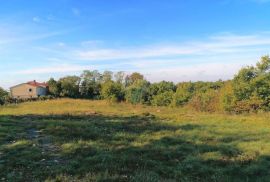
[
  {"x": 91, "y": 43},
  {"x": 17, "y": 39},
  {"x": 199, "y": 72},
  {"x": 206, "y": 72},
  {"x": 62, "y": 68},
  {"x": 227, "y": 43},
  {"x": 216, "y": 57}
]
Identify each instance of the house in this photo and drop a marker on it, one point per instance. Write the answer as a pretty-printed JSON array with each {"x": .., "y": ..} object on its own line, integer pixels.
[{"x": 29, "y": 90}]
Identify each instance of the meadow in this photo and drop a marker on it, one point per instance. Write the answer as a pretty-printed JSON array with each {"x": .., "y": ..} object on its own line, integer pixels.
[{"x": 82, "y": 140}]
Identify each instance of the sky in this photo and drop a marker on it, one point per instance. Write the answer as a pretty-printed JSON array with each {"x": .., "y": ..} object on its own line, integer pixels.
[{"x": 173, "y": 40}]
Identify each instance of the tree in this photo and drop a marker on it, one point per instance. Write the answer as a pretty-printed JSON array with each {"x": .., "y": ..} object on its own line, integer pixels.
[
  {"x": 163, "y": 99},
  {"x": 3, "y": 96},
  {"x": 112, "y": 91},
  {"x": 138, "y": 92},
  {"x": 264, "y": 64},
  {"x": 241, "y": 83},
  {"x": 119, "y": 77},
  {"x": 261, "y": 89},
  {"x": 90, "y": 85},
  {"x": 205, "y": 101},
  {"x": 183, "y": 93},
  {"x": 161, "y": 87},
  {"x": 107, "y": 76},
  {"x": 160, "y": 94},
  {"x": 251, "y": 87},
  {"x": 130, "y": 79},
  {"x": 70, "y": 86},
  {"x": 54, "y": 87}
]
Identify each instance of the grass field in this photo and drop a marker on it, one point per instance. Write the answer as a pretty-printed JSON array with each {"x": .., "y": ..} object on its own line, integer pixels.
[{"x": 79, "y": 140}]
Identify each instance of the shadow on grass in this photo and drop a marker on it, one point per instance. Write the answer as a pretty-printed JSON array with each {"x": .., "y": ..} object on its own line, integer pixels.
[{"x": 114, "y": 148}]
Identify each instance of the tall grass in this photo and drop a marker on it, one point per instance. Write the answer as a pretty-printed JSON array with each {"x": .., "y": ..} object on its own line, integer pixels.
[{"x": 69, "y": 140}]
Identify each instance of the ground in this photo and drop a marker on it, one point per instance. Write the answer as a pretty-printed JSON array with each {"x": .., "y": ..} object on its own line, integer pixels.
[{"x": 80, "y": 140}]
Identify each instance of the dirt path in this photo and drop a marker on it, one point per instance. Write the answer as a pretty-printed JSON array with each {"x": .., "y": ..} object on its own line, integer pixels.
[{"x": 50, "y": 151}]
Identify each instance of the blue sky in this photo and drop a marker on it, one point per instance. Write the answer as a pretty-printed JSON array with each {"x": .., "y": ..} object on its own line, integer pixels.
[{"x": 176, "y": 40}]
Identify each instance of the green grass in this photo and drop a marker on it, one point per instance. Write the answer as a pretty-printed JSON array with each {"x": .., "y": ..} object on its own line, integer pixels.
[{"x": 79, "y": 140}]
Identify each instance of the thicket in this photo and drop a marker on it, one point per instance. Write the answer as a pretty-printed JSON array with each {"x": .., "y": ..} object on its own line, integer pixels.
[
  {"x": 248, "y": 91},
  {"x": 3, "y": 96}
]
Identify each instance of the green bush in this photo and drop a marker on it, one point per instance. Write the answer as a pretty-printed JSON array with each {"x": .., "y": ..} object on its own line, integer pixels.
[
  {"x": 70, "y": 86},
  {"x": 248, "y": 91},
  {"x": 3, "y": 96},
  {"x": 183, "y": 94},
  {"x": 138, "y": 92},
  {"x": 112, "y": 91},
  {"x": 163, "y": 99},
  {"x": 251, "y": 87}
]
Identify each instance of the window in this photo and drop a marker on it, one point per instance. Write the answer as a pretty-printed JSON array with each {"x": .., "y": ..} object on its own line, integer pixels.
[{"x": 30, "y": 90}]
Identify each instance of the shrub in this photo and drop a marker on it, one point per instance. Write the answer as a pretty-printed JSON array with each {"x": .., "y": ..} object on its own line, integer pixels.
[
  {"x": 251, "y": 87},
  {"x": 207, "y": 101},
  {"x": 54, "y": 87},
  {"x": 138, "y": 92},
  {"x": 3, "y": 96},
  {"x": 183, "y": 94},
  {"x": 70, "y": 86},
  {"x": 227, "y": 98},
  {"x": 245, "y": 106},
  {"x": 163, "y": 99},
  {"x": 46, "y": 97},
  {"x": 112, "y": 91}
]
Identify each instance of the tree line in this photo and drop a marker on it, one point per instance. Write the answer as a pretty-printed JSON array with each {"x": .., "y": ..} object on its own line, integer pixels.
[{"x": 248, "y": 91}]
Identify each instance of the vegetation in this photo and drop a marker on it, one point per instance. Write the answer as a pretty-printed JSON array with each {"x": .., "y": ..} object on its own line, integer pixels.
[
  {"x": 249, "y": 91},
  {"x": 146, "y": 132},
  {"x": 72, "y": 140},
  {"x": 3, "y": 96},
  {"x": 112, "y": 91}
]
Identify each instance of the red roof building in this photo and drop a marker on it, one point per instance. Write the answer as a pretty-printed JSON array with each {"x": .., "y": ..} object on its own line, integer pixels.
[
  {"x": 29, "y": 90},
  {"x": 37, "y": 84}
]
